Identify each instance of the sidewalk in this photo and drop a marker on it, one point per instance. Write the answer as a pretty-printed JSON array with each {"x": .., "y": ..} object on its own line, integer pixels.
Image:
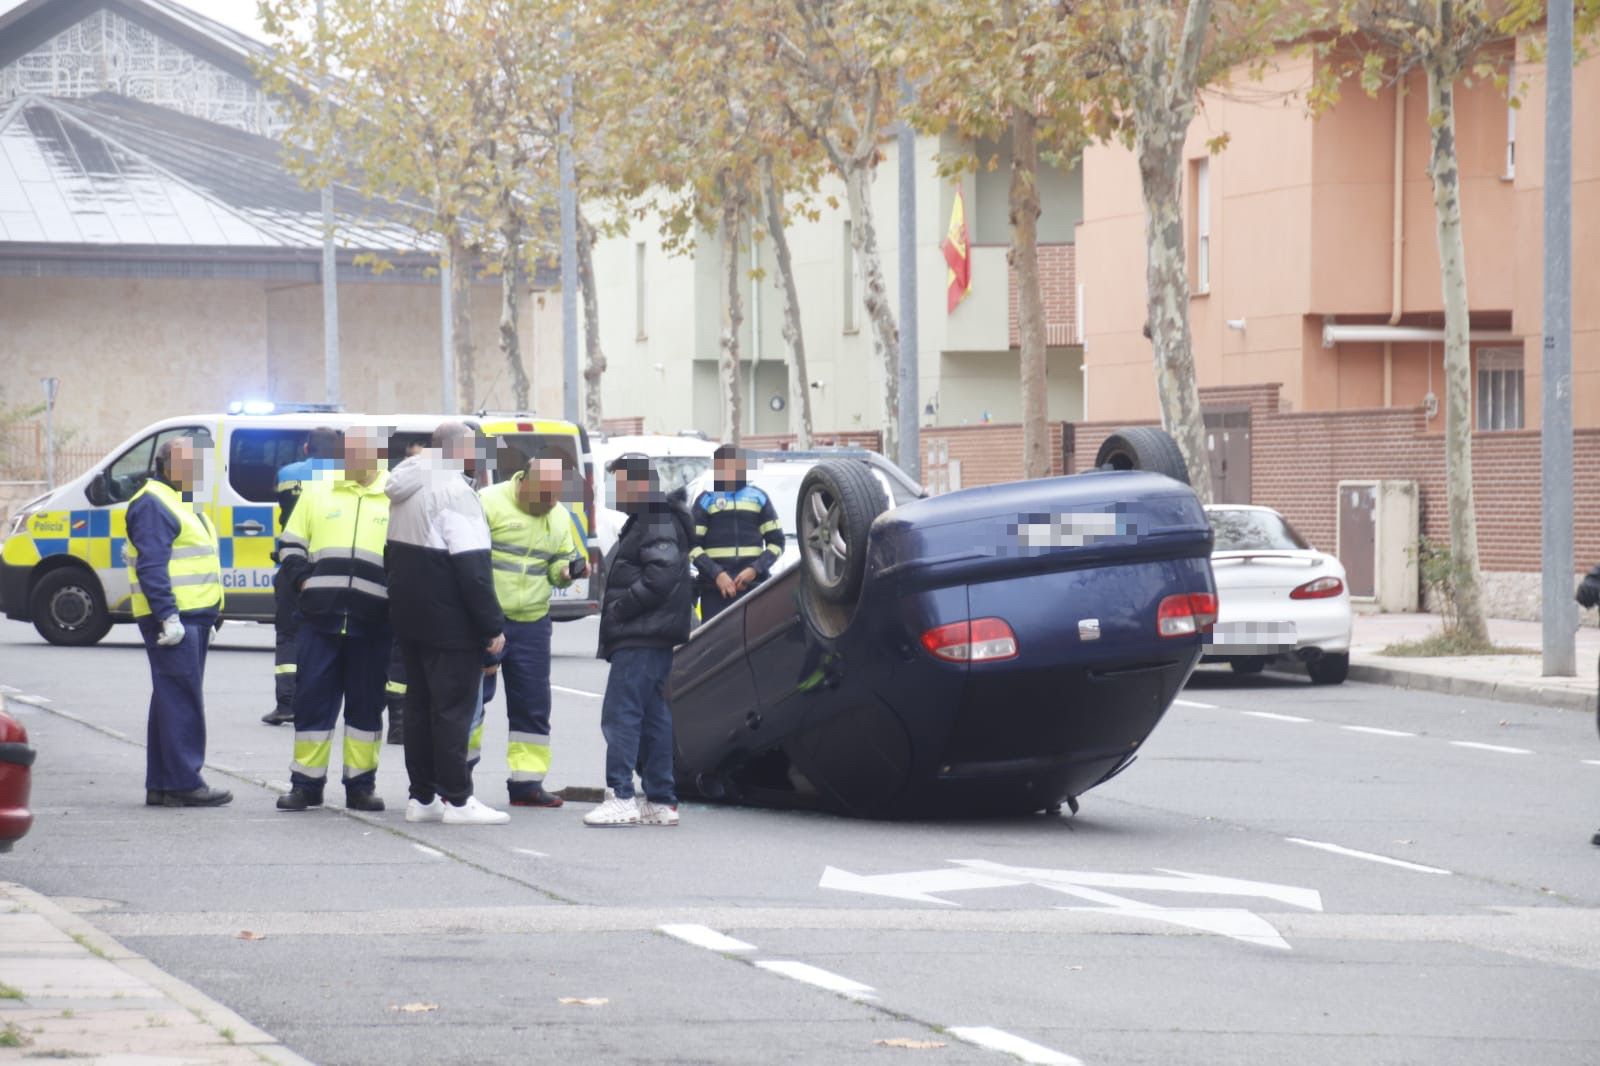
[
  {"x": 68, "y": 991},
  {"x": 1518, "y": 678}
]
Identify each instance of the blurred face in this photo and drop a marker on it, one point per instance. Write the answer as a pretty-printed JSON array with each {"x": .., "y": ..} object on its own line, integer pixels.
[
  {"x": 730, "y": 471},
  {"x": 540, "y": 487},
  {"x": 363, "y": 449},
  {"x": 416, "y": 447},
  {"x": 183, "y": 465},
  {"x": 627, "y": 490}
]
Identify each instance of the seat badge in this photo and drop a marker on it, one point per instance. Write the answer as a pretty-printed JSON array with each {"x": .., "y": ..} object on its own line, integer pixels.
[{"x": 1089, "y": 629}]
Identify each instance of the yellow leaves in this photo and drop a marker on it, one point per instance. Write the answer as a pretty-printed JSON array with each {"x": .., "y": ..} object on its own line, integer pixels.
[
  {"x": 245, "y": 934},
  {"x": 576, "y": 1001}
]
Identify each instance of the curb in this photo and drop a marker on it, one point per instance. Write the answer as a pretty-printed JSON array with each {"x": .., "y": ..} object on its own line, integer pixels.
[
  {"x": 1507, "y": 691},
  {"x": 262, "y": 1044}
]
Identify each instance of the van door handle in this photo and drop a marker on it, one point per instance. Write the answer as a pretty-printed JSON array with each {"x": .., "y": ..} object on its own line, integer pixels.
[{"x": 251, "y": 528}]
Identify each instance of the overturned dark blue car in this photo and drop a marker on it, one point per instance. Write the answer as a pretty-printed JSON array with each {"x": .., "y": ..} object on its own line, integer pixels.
[{"x": 997, "y": 650}]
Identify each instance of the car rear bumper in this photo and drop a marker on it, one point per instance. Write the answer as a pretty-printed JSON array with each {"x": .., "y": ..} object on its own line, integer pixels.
[{"x": 1319, "y": 627}]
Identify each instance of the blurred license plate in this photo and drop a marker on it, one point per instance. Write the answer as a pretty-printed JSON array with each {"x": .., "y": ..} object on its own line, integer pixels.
[
  {"x": 578, "y": 590},
  {"x": 1253, "y": 636}
]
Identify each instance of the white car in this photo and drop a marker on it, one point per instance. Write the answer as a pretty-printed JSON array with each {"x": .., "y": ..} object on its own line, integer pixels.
[
  {"x": 1277, "y": 597},
  {"x": 677, "y": 461}
]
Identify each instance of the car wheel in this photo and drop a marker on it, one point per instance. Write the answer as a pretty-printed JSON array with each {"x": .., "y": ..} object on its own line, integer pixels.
[
  {"x": 69, "y": 608},
  {"x": 1248, "y": 666},
  {"x": 1329, "y": 669},
  {"x": 838, "y": 502},
  {"x": 1143, "y": 448}
]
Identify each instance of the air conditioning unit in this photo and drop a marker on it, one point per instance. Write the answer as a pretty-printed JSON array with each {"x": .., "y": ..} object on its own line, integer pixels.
[{"x": 1378, "y": 527}]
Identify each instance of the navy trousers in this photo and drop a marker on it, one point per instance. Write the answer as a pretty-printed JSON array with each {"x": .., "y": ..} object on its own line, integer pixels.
[
  {"x": 175, "y": 738},
  {"x": 337, "y": 668},
  {"x": 285, "y": 629},
  {"x": 637, "y": 724},
  {"x": 525, "y": 668}
]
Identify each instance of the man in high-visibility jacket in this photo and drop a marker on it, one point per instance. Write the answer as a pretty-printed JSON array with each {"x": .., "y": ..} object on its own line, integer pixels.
[
  {"x": 176, "y": 579},
  {"x": 737, "y": 535},
  {"x": 332, "y": 556},
  {"x": 532, "y": 550},
  {"x": 321, "y": 459}
]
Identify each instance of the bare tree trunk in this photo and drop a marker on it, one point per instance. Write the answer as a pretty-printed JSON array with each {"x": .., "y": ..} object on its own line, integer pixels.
[
  {"x": 461, "y": 322},
  {"x": 1445, "y": 170},
  {"x": 1030, "y": 301},
  {"x": 595, "y": 359},
  {"x": 875, "y": 295},
  {"x": 732, "y": 320},
  {"x": 510, "y": 341},
  {"x": 799, "y": 376}
]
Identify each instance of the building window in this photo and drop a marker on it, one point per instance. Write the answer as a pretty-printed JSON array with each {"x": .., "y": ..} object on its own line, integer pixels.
[
  {"x": 852, "y": 322},
  {"x": 1200, "y": 225},
  {"x": 638, "y": 292},
  {"x": 1500, "y": 387}
]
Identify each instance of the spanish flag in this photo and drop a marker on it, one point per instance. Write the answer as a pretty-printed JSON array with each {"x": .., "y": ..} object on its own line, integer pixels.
[{"x": 957, "y": 255}]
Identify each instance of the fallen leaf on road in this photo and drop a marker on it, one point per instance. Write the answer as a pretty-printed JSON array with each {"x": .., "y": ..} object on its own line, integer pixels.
[
  {"x": 415, "y": 1008},
  {"x": 246, "y": 934},
  {"x": 907, "y": 1042},
  {"x": 575, "y": 1001}
]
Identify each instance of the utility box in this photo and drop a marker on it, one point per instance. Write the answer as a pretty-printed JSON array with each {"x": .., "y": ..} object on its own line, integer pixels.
[{"x": 1378, "y": 528}]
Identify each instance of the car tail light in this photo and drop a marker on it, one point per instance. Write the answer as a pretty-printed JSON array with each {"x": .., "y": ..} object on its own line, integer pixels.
[
  {"x": 1320, "y": 589},
  {"x": 981, "y": 640},
  {"x": 1186, "y": 614}
]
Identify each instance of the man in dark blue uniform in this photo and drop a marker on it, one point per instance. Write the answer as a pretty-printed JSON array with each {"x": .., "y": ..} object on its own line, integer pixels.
[
  {"x": 176, "y": 579},
  {"x": 737, "y": 535}
]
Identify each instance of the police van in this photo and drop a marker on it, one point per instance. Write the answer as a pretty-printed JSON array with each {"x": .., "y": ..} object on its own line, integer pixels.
[{"x": 62, "y": 563}]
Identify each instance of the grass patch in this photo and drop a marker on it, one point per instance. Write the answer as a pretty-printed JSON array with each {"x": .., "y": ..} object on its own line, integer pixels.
[
  {"x": 58, "y": 1053},
  {"x": 9, "y": 992},
  {"x": 84, "y": 943},
  {"x": 1449, "y": 643},
  {"x": 229, "y": 1035},
  {"x": 11, "y": 1036}
]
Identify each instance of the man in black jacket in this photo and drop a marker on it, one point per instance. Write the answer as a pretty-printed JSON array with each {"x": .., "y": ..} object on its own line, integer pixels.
[{"x": 646, "y": 613}]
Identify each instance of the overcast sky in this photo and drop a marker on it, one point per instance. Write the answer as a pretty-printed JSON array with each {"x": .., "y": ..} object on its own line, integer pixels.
[{"x": 240, "y": 14}]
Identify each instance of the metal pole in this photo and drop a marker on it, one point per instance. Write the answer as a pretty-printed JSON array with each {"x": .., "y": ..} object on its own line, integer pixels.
[
  {"x": 446, "y": 313},
  {"x": 910, "y": 457},
  {"x": 330, "y": 265},
  {"x": 50, "y": 387},
  {"x": 1555, "y": 438},
  {"x": 569, "y": 252}
]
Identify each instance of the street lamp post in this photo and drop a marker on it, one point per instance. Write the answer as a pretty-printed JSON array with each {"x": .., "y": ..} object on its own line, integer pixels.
[{"x": 1555, "y": 437}]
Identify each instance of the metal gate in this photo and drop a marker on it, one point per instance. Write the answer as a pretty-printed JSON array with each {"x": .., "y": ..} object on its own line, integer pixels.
[{"x": 1228, "y": 443}]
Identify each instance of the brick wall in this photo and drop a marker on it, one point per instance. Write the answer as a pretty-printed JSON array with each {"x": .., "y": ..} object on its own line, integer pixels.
[
  {"x": 622, "y": 427},
  {"x": 1058, "y": 284},
  {"x": 986, "y": 454}
]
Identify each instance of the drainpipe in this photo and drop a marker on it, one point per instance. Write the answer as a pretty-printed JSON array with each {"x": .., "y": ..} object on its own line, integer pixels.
[
  {"x": 1397, "y": 238},
  {"x": 755, "y": 325}
]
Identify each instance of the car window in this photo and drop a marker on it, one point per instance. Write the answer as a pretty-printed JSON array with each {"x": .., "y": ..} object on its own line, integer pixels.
[
  {"x": 1254, "y": 531},
  {"x": 256, "y": 455},
  {"x": 129, "y": 471},
  {"x": 676, "y": 471}
]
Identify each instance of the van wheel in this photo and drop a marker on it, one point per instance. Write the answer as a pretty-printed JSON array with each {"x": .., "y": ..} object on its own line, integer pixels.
[
  {"x": 1143, "y": 448},
  {"x": 68, "y": 608}
]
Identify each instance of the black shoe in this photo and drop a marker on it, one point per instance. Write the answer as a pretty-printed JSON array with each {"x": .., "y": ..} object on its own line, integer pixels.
[
  {"x": 298, "y": 799},
  {"x": 397, "y": 726},
  {"x": 536, "y": 797},
  {"x": 280, "y": 716},
  {"x": 204, "y": 796},
  {"x": 1595, "y": 840},
  {"x": 360, "y": 801}
]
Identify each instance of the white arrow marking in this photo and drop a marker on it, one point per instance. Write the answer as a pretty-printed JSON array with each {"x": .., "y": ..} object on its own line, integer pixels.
[
  {"x": 1175, "y": 881},
  {"x": 917, "y": 885}
]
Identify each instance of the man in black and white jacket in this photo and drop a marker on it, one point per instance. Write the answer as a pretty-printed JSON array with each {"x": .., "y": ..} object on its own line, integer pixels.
[{"x": 445, "y": 615}]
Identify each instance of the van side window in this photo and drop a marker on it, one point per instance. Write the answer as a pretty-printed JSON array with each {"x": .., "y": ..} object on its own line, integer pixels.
[
  {"x": 129, "y": 471},
  {"x": 255, "y": 457}
]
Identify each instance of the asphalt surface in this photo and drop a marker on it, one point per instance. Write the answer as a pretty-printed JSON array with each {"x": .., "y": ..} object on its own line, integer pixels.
[{"x": 1355, "y": 874}]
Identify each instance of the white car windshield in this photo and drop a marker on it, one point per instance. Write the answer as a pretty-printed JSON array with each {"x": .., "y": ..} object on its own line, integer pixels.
[{"x": 1239, "y": 530}]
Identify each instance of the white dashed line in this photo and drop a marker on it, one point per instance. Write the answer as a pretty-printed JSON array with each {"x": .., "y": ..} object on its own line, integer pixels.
[
  {"x": 578, "y": 692},
  {"x": 999, "y": 1040},
  {"x": 1369, "y": 856},
  {"x": 702, "y": 936},
  {"x": 1502, "y": 749},
  {"x": 1275, "y": 717},
  {"x": 430, "y": 852},
  {"x": 812, "y": 975},
  {"x": 1196, "y": 704},
  {"x": 1375, "y": 731},
  {"x": 530, "y": 853}
]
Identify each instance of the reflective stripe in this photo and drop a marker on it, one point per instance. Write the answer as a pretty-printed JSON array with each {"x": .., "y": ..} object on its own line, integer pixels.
[
  {"x": 768, "y": 527},
  {"x": 395, "y": 688},
  {"x": 531, "y": 777},
  {"x": 284, "y": 668},
  {"x": 523, "y": 551},
  {"x": 749, "y": 551},
  {"x": 696, "y": 550},
  {"x": 747, "y": 505},
  {"x": 773, "y": 548},
  {"x": 529, "y": 738},
  {"x": 366, "y": 735},
  {"x": 528, "y": 761},
  {"x": 514, "y": 568},
  {"x": 359, "y": 554},
  {"x": 360, "y": 752},
  {"x": 292, "y": 539},
  {"x": 191, "y": 580},
  {"x": 341, "y": 581},
  {"x": 311, "y": 753},
  {"x": 318, "y": 772},
  {"x": 289, "y": 550},
  {"x": 313, "y": 735},
  {"x": 700, "y": 531},
  {"x": 194, "y": 566},
  {"x": 198, "y": 551},
  {"x": 475, "y": 743}
]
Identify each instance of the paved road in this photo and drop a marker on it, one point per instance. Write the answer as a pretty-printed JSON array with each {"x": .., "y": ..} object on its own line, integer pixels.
[{"x": 1288, "y": 873}]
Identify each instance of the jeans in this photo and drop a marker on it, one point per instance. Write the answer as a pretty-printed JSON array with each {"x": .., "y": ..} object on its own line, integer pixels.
[{"x": 637, "y": 724}]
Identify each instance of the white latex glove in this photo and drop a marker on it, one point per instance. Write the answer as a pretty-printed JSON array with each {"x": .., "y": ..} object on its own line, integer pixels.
[{"x": 171, "y": 632}]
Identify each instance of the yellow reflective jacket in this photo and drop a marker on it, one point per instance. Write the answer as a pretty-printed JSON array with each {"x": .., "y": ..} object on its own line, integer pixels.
[
  {"x": 529, "y": 552},
  {"x": 194, "y": 569}
]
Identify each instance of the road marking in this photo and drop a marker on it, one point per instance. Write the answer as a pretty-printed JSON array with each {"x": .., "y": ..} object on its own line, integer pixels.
[
  {"x": 1196, "y": 704},
  {"x": 702, "y": 936},
  {"x": 578, "y": 692},
  {"x": 428, "y": 851},
  {"x": 1275, "y": 717},
  {"x": 1369, "y": 856},
  {"x": 1591, "y": 762},
  {"x": 1502, "y": 749},
  {"x": 1375, "y": 731},
  {"x": 999, "y": 1040},
  {"x": 530, "y": 853},
  {"x": 812, "y": 975},
  {"x": 7, "y": 690}
]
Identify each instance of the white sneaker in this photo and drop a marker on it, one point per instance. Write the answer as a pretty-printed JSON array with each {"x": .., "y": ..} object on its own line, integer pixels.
[
  {"x": 417, "y": 811},
  {"x": 613, "y": 811},
  {"x": 473, "y": 813},
  {"x": 657, "y": 814}
]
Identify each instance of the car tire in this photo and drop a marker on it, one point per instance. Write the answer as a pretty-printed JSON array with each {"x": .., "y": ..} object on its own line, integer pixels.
[
  {"x": 1143, "y": 448},
  {"x": 1329, "y": 669},
  {"x": 1247, "y": 666},
  {"x": 837, "y": 505},
  {"x": 69, "y": 609}
]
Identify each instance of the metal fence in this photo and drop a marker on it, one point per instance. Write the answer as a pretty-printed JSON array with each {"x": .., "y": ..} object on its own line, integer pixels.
[{"x": 22, "y": 455}]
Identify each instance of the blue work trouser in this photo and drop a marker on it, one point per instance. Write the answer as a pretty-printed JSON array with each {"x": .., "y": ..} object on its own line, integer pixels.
[
  {"x": 637, "y": 724},
  {"x": 285, "y": 629},
  {"x": 175, "y": 738},
  {"x": 525, "y": 668},
  {"x": 337, "y": 668}
]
